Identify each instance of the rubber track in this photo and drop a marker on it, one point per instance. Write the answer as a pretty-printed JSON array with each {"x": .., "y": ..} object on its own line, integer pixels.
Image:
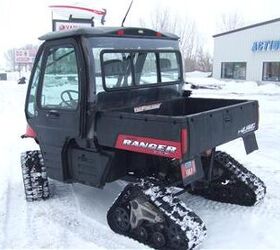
[
  {"x": 237, "y": 186},
  {"x": 175, "y": 212},
  {"x": 34, "y": 176}
]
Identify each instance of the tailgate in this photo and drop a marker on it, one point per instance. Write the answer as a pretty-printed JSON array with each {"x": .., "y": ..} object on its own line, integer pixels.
[
  {"x": 142, "y": 133},
  {"x": 215, "y": 127}
]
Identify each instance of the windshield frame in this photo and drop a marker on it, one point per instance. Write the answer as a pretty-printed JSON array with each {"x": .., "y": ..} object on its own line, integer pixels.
[{"x": 133, "y": 83}]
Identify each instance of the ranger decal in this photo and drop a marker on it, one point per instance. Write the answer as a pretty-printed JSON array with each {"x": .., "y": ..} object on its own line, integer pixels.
[{"x": 147, "y": 145}]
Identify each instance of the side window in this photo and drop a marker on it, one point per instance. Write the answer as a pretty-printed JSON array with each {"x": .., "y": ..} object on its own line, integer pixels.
[
  {"x": 61, "y": 81},
  {"x": 33, "y": 89}
]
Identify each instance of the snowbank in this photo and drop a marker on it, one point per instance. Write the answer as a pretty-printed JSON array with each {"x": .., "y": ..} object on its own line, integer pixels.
[
  {"x": 234, "y": 87},
  {"x": 198, "y": 74}
]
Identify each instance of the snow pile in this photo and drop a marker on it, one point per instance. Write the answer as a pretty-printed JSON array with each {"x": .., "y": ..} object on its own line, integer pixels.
[
  {"x": 233, "y": 87},
  {"x": 198, "y": 74},
  {"x": 251, "y": 88}
]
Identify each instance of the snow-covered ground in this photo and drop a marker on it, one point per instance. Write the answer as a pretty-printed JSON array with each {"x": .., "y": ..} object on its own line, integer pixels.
[
  {"x": 75, "y": 217},
  {"x": 198, "y": 74}
]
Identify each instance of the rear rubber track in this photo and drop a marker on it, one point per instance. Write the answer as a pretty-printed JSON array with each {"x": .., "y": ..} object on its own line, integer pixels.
[{"x": 236, "y": 186}]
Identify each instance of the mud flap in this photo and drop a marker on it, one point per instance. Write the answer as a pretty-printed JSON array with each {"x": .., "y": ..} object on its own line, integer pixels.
[
  {"x": 250, "y": 143},
  {"x": 191, "y": 171}
]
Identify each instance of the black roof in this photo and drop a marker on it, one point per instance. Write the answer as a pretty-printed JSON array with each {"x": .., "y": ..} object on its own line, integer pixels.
[
  {"x": 247, "y": 27},
  {"x": 108, "y": 31}
]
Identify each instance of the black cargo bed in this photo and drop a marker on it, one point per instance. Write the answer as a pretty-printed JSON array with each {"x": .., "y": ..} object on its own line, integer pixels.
[
  {"x": 185, "y": 106},
  {"x": 209, "y": 122}
]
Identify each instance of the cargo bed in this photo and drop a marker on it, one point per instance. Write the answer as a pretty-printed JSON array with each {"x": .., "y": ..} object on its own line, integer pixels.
[{"x": 207, "y": 123}]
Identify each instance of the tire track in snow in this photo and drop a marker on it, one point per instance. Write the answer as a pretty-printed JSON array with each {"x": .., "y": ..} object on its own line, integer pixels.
[
  {"x": 4, "y": 214},
  {"x": 64, "y": 209},
  {"x": 14, "y": 224},
  {"x": 14, "y": 221}
]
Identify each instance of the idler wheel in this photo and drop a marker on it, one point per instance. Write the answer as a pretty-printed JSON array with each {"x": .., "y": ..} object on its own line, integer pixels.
[
  {"x": 158, "y": 240},
  {"x": 120, "y": 220}
]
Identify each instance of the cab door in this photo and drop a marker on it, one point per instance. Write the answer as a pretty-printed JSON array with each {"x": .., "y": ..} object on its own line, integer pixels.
[{"x": 58, "y": 104}]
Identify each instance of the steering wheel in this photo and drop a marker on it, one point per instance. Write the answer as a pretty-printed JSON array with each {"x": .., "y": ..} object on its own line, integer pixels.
[{"x": 70, "y": 101}]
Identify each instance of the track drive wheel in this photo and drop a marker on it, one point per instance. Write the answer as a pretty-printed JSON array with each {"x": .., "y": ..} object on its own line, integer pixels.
[{"x": 119, "y": 220}]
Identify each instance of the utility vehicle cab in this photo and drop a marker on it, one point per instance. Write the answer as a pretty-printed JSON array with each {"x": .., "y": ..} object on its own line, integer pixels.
[{"x": 80, "y": 72}]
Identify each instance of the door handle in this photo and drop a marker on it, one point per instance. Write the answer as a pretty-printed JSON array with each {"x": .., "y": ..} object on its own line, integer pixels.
[{"x": 52, "y": 114}]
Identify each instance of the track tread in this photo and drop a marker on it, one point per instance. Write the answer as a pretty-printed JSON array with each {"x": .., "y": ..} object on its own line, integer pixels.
[
  {"x": 237, "y": 186},
  {"x": 34, "y": 176}
]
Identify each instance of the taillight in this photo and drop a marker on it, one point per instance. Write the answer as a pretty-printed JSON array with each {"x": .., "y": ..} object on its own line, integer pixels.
[
  {"x": 184, "y": 141},
  {"x": 158, "y": 34},
  {"x": 120, "y": 32}
]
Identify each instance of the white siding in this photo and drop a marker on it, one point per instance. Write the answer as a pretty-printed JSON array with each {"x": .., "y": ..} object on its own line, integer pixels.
[{"x": 237, "y": 47}]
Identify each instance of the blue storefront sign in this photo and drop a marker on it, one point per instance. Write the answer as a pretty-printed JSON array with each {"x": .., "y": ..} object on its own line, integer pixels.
[{"x": 269, "y": 45}]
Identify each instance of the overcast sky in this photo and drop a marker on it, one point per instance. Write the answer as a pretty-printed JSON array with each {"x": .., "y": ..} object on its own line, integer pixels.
[{"x": 22, "y": 21}]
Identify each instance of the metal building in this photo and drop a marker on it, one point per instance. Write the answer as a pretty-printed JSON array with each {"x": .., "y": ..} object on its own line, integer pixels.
[{"x": 249, "y": 53}]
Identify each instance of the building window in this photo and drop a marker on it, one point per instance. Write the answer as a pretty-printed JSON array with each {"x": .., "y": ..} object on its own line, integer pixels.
[
  {"x": 234, "y": 70},
  {"x": 271, "y": 71}
]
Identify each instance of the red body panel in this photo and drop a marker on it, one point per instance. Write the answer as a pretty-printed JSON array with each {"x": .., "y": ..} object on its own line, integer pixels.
[{"x": 30, "y": 132}]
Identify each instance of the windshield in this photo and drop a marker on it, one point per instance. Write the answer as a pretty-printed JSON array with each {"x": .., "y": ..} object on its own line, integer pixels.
[{"x": 134, "y": 62}]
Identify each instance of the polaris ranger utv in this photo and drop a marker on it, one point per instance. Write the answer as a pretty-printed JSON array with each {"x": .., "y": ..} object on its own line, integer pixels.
[{"x": 106, "y": 104}]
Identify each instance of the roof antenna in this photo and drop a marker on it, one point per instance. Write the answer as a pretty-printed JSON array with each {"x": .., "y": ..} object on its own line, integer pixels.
[{"x": 127, "y": 12}]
